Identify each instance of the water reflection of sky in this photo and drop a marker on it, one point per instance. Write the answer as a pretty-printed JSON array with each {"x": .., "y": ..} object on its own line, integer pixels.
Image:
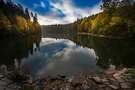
[{"x": 61, "y": 56}]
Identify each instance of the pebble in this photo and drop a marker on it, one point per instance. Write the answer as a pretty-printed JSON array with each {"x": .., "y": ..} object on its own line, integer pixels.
[{"x": 126, "y": 85}]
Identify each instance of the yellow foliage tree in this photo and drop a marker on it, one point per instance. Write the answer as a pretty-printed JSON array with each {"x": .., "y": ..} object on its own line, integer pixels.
[
  {"x": 4, "y": 22},
  {"x": 81, "y": 25},
  {"x": 30, "y": 25},
  {"x": 21, "y": 23},
  {"x": 101, "y": 20},
  {"x": 37, "y": 26},
  {"x": 86, "y": 26}
]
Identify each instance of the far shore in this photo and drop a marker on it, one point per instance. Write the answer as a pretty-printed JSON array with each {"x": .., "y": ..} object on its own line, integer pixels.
[{"x": 96, "y": 35}]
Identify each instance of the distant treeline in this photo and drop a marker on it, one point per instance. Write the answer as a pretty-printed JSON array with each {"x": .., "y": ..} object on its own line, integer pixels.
[
  {"x": 117, "y": 20},
  {"x": 15, "y": 20},
  {"x": 62, "y": 30}
]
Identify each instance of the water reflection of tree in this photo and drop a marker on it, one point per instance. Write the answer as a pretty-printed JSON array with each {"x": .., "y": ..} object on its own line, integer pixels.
[
  {"x": 18, "y": 47},
  {"x": 110, "y": 51}
]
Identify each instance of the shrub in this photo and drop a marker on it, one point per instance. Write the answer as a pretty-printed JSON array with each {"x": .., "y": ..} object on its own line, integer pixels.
[{"x": 15, "y": 29}]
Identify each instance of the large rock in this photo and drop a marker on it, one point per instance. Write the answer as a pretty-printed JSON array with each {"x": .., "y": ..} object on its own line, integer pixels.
[{"x": 96, "y": 79}]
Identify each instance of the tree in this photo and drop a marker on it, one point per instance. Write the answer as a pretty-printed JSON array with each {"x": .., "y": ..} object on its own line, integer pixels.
[
  {"x": 35, "y": 15},
  {"x": 32, "y": 14},
  {"x": 110, "y": 4},
  {"x": 20, "y": 10},
  {"x": 4, "y": 22},
  {"x": 35, "y": 18},
  {"x": 106, "y": 4},
  {"x": 86, "y": 26},
  {"x": 116, "y": 21},
  {"x": 127, "y": 2},
  {"x": 30, "y": 25},
  {"x": 14, "y": 18},
  {"x": 37, "y": 26},
  {"x": 21, "y": 22},
  {"x": 27, "y": 16}
]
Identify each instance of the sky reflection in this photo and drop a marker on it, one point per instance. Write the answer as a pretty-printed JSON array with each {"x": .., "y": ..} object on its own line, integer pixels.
[{"x": 61, "y": 56}]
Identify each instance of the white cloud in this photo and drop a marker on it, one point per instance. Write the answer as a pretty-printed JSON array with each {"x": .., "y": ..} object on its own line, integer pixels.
[
  {"x": 70, "y": 11},
  {"x": 47, "y": 41},
  {"x": 47, "y": 20},
  {"x": 35, "y": 5},
  {"x": 42, "y": 4}
]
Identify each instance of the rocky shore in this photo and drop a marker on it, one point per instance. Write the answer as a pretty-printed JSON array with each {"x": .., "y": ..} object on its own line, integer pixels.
[{"x": 97, "y": 81}]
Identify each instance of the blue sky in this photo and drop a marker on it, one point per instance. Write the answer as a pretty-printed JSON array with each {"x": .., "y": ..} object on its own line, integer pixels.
[{"x": 61, "y": 11}]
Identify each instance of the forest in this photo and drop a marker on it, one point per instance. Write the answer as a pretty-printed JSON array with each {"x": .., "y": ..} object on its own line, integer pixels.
[
  {"x": 117, "y": 19},
  {"x": 61, "y": 30},
  {"x": 15, "y": 20}
]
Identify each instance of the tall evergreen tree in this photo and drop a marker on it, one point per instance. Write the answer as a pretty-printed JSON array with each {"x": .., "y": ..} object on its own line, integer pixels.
[
  {"x": 106, "y": 4},
  {"x": 27, "y": 16},
  {"x": 32, "y": 14},
  {"x": 35, "y": 18}
]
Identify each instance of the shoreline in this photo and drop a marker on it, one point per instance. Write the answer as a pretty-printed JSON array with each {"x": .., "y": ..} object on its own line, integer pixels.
[
  {"x": 97, "y": 81},
  {"x": 19, "y": 35},
  {"x": 103, "y": 36}
]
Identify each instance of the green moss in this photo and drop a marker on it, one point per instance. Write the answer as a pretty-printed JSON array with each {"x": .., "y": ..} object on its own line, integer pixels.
[{"x": 27, "y": 88}]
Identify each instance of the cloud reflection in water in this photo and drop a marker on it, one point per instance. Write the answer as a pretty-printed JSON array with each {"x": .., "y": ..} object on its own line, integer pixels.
[{"x": 61, "y": 56}]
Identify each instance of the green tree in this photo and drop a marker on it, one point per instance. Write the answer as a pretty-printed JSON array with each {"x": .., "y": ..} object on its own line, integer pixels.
[{"x": 116, "y": 21}]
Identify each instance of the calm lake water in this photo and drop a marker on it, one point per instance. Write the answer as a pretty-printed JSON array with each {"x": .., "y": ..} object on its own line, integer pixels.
[{"x": 59, "y": 54}]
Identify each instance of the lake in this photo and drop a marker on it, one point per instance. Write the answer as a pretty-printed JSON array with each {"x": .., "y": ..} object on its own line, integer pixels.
[{"x": 53, "y": 54}]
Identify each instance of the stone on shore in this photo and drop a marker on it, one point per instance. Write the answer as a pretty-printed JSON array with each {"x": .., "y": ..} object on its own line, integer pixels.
[
  {"x": 126, "y": 85},
  {"x": 115, "y": 87},
  {"x": 97, "y": 79},
  {"x": 86, "y": 87}
]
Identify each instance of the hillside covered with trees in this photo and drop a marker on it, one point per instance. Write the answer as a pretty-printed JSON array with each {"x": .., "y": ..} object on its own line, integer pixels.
[
  {"x": 117, "y": 20},
  {"x": 15, "y": 20}
]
